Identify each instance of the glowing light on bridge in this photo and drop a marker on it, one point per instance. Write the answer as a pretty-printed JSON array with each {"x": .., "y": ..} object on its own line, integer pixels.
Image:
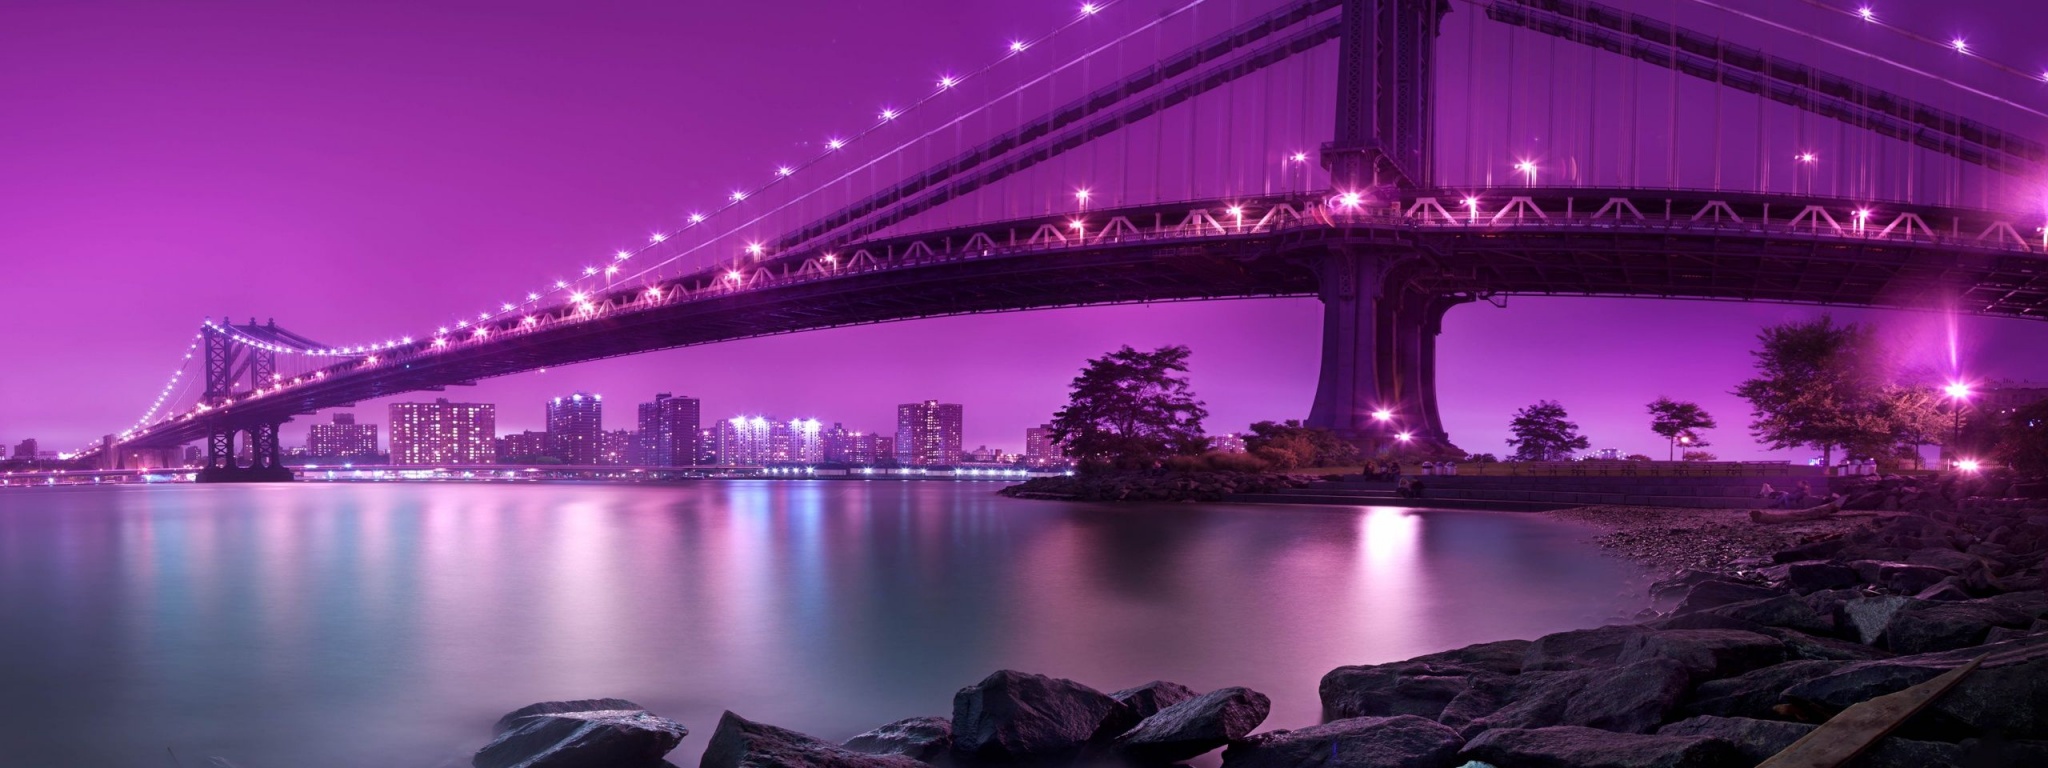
[
  {"x": 834, "y": 144},
  {"x": 481, "y": 332},
  {"x": 1017, "y": 46},
  {"x": 1089, "y": 9},
  {"x": 438, "y": 342},
  {"x": 1528, "y": 170},
  {"x": 1957, "y": 391},
  {"x": 533, "y": 297},
  {"x": 559, "y": 284},
  {"x": 1969, "y": 465},
  {"x": 1351, "y": 200},
  {"x": 784, "y": 171},
  {"x": 696, "y": 218},
  {"x": 1961, "y": 45},
  {"x": 623, "y": 255},
  {"x": 738, "y": 196},
  {"x": 1077, "y": 225},
  {"x": 588, "y": 271},
  {"x": 1405, "y": 436},
  {"x": 657, "y": 237},
  {"x": 733, "y": 275},
  {"x": 612, "y": 270},
  {"x": 888, "y": 114},
  {"x": 1866, "y": 13},
  {"x": 530, "y": 320},
  {"x": 1299, "y": 157},
  {"x": 947, "y": 82},
  {"x": 1383, "y": 415},
  {"x": 1806, "y": 157},
  {"x": 754, "y": 249}
]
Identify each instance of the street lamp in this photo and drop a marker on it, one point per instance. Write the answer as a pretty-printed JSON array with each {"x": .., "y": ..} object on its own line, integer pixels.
[
  {"x": 1958, "y": 394},
  {"x": 1528, "y": 170},
  {"x": 1682, "y": 440}
]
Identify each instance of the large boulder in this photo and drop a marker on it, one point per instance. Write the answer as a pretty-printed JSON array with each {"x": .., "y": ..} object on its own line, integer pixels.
[
  {"x": 1758, "y": 740},
  {"x": 1785, "y": 611},
  {"x": 1194, "y": 727},
  {"x": 1925, "y": 626},
  {"x": 1809, "y": 577},
  {"x": 570, "y": 734},
  {"x": 743, "y": 743},
  {"x": 1014, "y": 715},
  {"x": 1902, "y": 578},
  {"x": 1632, "y": 698},
  {"x": 1572, "y": 747},
  {"x": 1146, "y": 700},
  {"x": 1360, "y": 742},
  {"x": 1868, "y": 616},
  {"x": 1799, "y": 645},
  {"x": 1706, "y": 654},
  {"x": 918, "y": 738},
  {"x": 1755, "y": 693},
  {"x": 1708, "y": 594},
  {"x": 2007, "y": 697},
  {"x": 1420, "y": 686},
  {"x": 1578, "y": 649}
]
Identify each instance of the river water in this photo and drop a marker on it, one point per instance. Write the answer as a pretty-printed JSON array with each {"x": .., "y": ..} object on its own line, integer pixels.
[{"x": 346, "y": 626}]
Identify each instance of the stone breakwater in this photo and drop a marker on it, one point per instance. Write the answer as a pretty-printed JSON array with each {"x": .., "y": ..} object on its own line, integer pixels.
[
  {"x": 1748, "y": 659},
  {"x": 1157, "y": 485}
]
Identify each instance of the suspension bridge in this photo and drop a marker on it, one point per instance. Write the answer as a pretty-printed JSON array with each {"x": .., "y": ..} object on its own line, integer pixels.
[{"x": 1365, "y": 152}]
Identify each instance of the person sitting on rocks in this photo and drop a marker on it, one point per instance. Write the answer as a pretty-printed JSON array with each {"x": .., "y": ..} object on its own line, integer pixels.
[
  {"x": 1775, "y": 497},
  {"x": 1799, "y": 495}
]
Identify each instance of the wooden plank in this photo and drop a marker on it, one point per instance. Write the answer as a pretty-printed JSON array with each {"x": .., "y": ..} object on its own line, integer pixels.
[{"x": 1862, "y": 725}]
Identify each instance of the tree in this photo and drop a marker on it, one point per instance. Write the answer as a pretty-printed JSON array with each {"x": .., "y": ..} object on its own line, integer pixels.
[
  {"x": 1913, "y": 417},
  {"x": 1543, "y": 434},
  {"x": 1483, "y": 458},
  {"x": 1309, "y": 446},
  {"x": 1699, "y": 456},
  {"x": 1676, "y": 420},
  {"x": 1131, "y": 409},
  {"x": 2024, "y": 442},
  {"x": 1815, "y": 386}
]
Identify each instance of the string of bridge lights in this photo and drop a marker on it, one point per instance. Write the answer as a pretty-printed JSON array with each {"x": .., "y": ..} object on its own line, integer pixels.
[
  {"x": 1958, "y": 44},
  {"x": 163, "y": 395},
  {"x": 575, "y": 288}
]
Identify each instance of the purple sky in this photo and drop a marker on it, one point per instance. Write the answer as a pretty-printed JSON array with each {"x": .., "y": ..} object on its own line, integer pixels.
[{"x": 370, "y": 168}]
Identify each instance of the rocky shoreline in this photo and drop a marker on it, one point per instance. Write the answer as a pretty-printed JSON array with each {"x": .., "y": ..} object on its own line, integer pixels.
[{"x": 1766, "y": 637}]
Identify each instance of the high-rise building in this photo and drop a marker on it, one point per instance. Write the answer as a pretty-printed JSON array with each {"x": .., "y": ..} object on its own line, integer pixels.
[
  {"x": 576, "y": 429},
  {"x": 1039, "y": 447},
  {"x": 840, "y": 445},
  {"x": 523, "y": 448},
  {"x": 25, "y": 450},
  {"x": 928, "y": 434},
  {"x": 743, "y": 441},
  {"x": 618, "y": 447},
  {"x": 442, "y": 432},
  {"x": 192, "y": 455},
  {"x": 669, "y": 430},
  {"x": 707, "y": 447},
  {"x": 342, "y": 439},
  {"x": 805, "y": 442},
  {"x": 879, "y": 450}
]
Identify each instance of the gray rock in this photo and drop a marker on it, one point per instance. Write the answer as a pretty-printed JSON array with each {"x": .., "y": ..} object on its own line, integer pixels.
[
  {"x": 1146, "y": 700},
  {"x": 2006, "y": 697},
  {"x": 1784, "y": 611},
  {"x": 1571, "y": 747},
  {"x": 561, "y": 735},
  {"x": 918, "y": 738},
  {"x": 1577, "y": 649},
  {"x": 511, "y": 718},
  {"x": 1020, "y": 716},
  {"x": 1949, "y": 589},
  {"x": 1757, "y": 740},
  {"x": 1192, "y": 728},
  {"x": 1755, "y": 693},
  {"x": 1360, "y": 742},
  {"x": 1708, "y": 594},
  {"x": 1420, "y": 686},
  {"x": 742, "y": 743},
  {"x": 1633, "y": 698},
  {"x": 1923, "y": 627},
  {"x": 1799, "y": 645},
  {"x": 1706, "y": 654},
  {"x": 1868, "y": 616},
  {"x": 1809, "y": 577},
  {"x": 1903, "y": 578}
]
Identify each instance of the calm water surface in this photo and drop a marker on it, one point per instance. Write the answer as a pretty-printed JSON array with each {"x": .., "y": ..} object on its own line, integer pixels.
[{"x": 350, "y": 626}]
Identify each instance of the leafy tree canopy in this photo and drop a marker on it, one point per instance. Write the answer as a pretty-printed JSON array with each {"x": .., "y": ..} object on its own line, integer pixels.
[
  {"x": 1679, "y": 421},
  {"x": 1816, "y": 386},
  {"x": 1542, "y": 433},
  {"x": 1290, "y": 443},
  {"x": 1131, "y": 410}
]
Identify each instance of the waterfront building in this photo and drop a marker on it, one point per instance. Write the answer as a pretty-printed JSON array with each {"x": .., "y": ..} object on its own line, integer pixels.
[
  {"x": 442, "y": 432},
  {"x": 576, "y": 429},
  {"x": 707, "y": 447},
  {"x": 2002, "y": 400},
  {"x": 984, "y": 455},
  {"x": 928, "y": 434},
  {"x": 618, "y": 447},
  {"x": 523, "y": 448},
  {"x": 25, "y": 450},
  {"x": 192, "y": 455},
  {"x": 669, "y": 431},
  {"x": 839, "y": 445},
  {"x": 1039, "y": 447},
  {"x": 804, "y": 442},
  {"x": 1606, "y": 454},
  {"x": 343, "y": 438},
  {"x": 879, "y": 450},
  {"x": 743, "y": 441}
]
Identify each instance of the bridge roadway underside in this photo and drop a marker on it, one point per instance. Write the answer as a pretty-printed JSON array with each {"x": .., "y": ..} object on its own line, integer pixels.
[{"x": 1385, "y": 284}]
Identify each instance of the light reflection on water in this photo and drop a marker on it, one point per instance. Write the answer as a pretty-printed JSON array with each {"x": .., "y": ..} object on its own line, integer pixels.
[{"x": 388, "y": 625}]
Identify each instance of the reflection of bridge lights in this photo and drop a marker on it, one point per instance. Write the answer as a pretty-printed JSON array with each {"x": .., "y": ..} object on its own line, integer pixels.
[{"x": 1382, "y": 415}]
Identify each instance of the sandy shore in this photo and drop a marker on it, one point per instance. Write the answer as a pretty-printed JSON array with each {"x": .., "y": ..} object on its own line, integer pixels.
[{"x": 1668, "y": 539}]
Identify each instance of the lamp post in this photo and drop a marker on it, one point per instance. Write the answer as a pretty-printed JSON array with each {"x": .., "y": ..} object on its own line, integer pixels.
[
  {"x": 1684, "y": 439},
  {"x": 1958, "y": 393}
]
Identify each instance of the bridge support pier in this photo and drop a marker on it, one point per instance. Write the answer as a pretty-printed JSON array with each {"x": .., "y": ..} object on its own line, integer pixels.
[
  {"x": 1378, "y": 378},
  {"x": 266, "y": 457}
]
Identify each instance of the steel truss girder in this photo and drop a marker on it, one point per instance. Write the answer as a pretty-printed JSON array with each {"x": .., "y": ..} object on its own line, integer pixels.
[{"x": 1706, "y": 57}]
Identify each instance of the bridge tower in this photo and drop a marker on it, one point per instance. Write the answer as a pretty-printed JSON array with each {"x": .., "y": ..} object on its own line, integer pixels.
[
  {"x": 227, "y": 361},
  {"x": 1378, "y": 378}
]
